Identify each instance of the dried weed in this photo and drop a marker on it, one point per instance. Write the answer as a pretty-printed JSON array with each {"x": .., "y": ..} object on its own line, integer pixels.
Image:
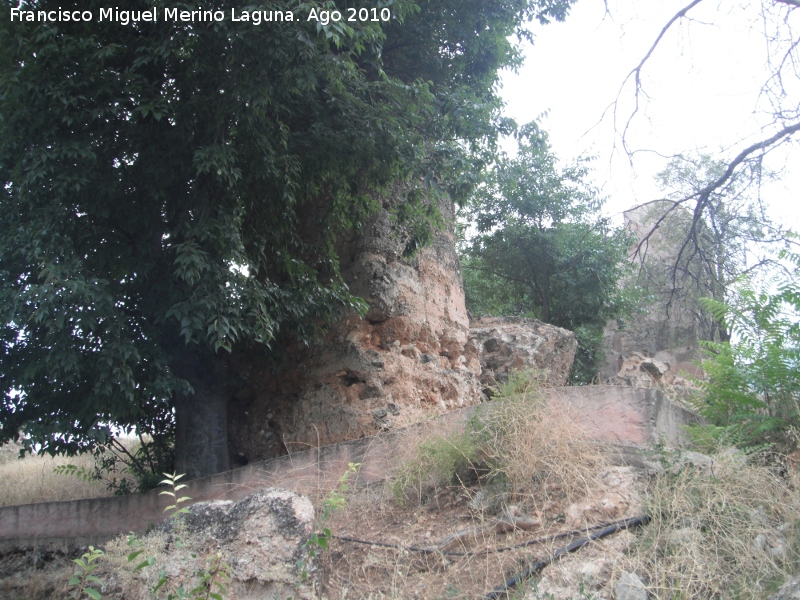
[
  {"x": 725, "y": 530},
  {"x": 31, "y": 479}
]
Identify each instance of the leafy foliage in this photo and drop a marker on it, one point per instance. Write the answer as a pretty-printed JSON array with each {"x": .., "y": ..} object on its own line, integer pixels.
[
  {"x": 210, "y": 581},
  {"x": 753, "y": 388},
  {"x": 544, "y": 251},
  {"x": 172, "y": 192},
  {"x": 83, "y": 580},
  {"x": 123, "y": 467}
]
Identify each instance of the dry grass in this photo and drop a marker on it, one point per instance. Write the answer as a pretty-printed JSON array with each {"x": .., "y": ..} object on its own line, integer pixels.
[
  {"x": 728, "y": 530},
  {"x": 537, "y": 450},
  {"x": 518, "y": 448},
  {"x": 517, "y": 458},
  {"x": 31, "y": 479},
  {"x": 721, "y": 529}
]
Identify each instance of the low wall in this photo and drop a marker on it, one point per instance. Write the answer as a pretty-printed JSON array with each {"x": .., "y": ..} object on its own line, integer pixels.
[{"x": 617, "y": 415}]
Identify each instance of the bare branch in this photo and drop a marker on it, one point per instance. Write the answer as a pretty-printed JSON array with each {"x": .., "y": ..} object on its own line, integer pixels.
[
  {"x": 636, "y": 72},
  {"x": 701, "y": 197}
]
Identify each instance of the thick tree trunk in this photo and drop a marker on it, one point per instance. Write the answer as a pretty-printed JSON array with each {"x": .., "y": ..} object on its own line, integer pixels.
[{"x": 201, "y": 437}]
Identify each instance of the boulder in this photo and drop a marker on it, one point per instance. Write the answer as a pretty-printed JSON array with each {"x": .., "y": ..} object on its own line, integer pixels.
[
  {"x": 678, "y": 379},
  {"x": 630, "y": 587},
  {"x": 504, "y": 344},
  {"x": 260, "y": 538}
]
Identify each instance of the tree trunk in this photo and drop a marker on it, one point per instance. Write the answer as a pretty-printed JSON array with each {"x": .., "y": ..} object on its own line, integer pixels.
[
  {"x": 201, "y": 419},
  {"x": 546, "y": 307}
]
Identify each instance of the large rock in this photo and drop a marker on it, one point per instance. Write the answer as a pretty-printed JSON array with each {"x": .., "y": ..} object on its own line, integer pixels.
[
  {"x": 408, "y": 359},
  {"x": 260, "y": 538},
  {"x": 511, "y": 343},
  {"x": 678, "y": 379},
  {"x": 630, "y": 587}
]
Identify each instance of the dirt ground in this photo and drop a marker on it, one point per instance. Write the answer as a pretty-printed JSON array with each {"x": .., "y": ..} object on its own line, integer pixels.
[
  {"x": 472, "y": 546},
  {"x": 484, "y": 548}
]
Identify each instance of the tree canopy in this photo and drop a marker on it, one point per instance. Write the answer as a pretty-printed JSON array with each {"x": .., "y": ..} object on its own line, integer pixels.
[
  {"x": 543, "y": 249},
  {"x": 173, "y": 191}
]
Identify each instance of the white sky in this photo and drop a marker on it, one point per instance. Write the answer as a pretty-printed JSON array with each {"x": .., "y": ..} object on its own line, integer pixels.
[{"x": 703, "y": 82}]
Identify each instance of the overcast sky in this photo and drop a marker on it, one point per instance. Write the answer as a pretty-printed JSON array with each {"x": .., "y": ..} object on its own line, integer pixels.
[{"x": 703, "y": 82}]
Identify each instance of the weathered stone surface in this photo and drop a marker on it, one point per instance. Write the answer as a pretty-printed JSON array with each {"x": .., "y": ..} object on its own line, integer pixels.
[
  {"x": 672, "y": 320},
  {"x": 678, "y": 379},
  {"x": 630, "y": 587},
  {"x": 410, "y": 358},
  {"x": 638, "y": 370},
  {"x": 510, "y": 343},
  {"x": 260, "y": 538},
  {"x": 789, "y": 590}
]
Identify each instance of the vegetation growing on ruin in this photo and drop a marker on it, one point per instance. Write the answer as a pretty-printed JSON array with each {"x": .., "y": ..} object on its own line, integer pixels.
[
  {"x": 172, "y": 194},
  {"x": 539, "y": 246}
]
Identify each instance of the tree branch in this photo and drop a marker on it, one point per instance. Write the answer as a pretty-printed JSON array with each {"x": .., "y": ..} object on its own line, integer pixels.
[
  {"x": 702, "y": 196},
  {"x": 637, "y": 70}
]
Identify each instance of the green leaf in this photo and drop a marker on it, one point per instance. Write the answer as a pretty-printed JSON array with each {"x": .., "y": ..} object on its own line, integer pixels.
[
  {"x": 133, "y": 555},
  {"x": 145, "y": 563},
  {"x": 93, "y": 593}
]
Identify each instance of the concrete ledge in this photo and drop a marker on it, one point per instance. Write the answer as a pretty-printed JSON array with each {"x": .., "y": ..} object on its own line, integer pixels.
[{"x": 616, "y": 415}]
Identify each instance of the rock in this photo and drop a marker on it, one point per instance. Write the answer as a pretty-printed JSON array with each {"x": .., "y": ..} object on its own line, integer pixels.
[
  {"x": 638, "y": 370},
  {"x": 260, "y": 537},
  {"x": 656, "y": 369},
  {"x": 510, "y": 343},
  {"x": 630, "y": 587},
  {"x": 789, "y": 590},
  {"x": 480, "y": 501},
  {"x": 670, "y": 322}
]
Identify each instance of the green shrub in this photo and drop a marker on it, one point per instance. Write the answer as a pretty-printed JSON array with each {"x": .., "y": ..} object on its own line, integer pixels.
[{"x": 752, "y": 389}]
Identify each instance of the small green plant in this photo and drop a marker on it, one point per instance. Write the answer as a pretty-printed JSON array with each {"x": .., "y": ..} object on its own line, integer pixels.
[
  {"x": 124, "y": 467},
  {"x": 211, "y": 584},
  {"x": 176, "y": 510},
  {"x": 441, "y": 460},
  {"x": 725, "y": 531},
  {"x": 318, "y": 541},
  {"x": 83, "y": 580},
  {"x": 172, "y": 481},
  {"x": 212, "y": 580},
  {"x": 84, "y": 473}
]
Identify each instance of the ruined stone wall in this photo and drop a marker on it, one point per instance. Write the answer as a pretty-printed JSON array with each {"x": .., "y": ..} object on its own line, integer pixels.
[
  {"x": 507, "y": 344},
  {"x": 671, "y": 319},
  {"x": 408, "y": 359}
]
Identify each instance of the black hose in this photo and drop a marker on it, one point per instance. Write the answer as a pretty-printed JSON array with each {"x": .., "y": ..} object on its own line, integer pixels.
[
  {"x": 571, "y": 547},
  {"x": 433, "y": 550}
]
